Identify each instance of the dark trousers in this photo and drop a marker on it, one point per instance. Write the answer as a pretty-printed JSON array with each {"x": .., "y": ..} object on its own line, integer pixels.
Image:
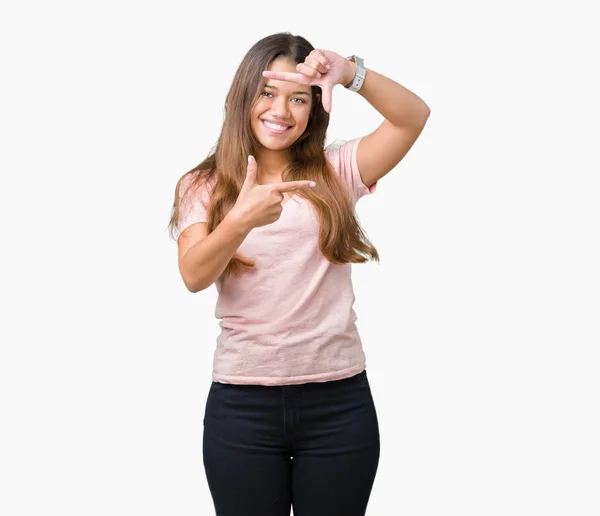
[{"x": 314, "y": 446}]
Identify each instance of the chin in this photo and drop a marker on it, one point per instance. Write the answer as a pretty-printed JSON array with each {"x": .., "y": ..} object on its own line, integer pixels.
[
  {"x": 275, "y": 143},
  {"x": 276, "y": 146}
]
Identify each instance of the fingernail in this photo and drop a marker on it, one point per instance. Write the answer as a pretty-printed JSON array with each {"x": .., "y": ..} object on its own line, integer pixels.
[
  {"x": 249, "y": 159},
  {"x": 318, "y": 75},
  {"x": 312, "y": 184},
  {"x": 328, "y": 67}
]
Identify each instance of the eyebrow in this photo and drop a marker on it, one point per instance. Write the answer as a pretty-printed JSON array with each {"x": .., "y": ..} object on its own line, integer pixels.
[{"x": 293, "y": 93}]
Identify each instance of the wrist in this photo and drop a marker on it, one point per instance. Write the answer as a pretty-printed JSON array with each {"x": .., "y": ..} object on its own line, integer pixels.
[
  {"x": 238, "y": 222},
  {"x": 350, "y": 73}
]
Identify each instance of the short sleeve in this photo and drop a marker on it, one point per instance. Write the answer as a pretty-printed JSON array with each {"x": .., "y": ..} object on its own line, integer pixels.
[
  {"x": 343, "y": 160},
  {"x": 193, "y": 203}
]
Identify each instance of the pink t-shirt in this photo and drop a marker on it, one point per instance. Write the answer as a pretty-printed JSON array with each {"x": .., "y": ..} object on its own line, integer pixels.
[{"x": 289, "y": 320}]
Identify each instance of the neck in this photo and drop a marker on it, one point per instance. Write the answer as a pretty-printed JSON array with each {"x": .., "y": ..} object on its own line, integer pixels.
[{"x": 271, "y": 165}]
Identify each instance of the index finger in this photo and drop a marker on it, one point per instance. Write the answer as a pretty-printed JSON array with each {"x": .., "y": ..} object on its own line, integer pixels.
[
  {"x": 287, "y": 76},
  {"x": 290, "y": 186}
]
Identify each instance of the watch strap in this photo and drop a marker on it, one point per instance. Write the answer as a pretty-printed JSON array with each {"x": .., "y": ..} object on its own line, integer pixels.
[{"x": 359, "y": 77}]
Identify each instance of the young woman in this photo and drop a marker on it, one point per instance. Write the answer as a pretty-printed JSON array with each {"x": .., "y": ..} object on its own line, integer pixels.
[{"x": 268, "y": 217}]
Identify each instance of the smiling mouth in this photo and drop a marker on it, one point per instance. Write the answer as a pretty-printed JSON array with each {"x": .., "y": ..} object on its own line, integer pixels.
[{"x": 275, "y": 128}]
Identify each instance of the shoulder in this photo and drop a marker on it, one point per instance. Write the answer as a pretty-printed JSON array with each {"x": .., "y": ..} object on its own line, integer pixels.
[
  {"x": 342, "y": 154},
  {"x": 195, "y": 189},
  {"x": 196, "y": 183},
  {"x": 343, "y": 158}
]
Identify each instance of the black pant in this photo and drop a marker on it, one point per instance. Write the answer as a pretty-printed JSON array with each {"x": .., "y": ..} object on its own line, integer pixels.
[{"x": 314, "y": 446}]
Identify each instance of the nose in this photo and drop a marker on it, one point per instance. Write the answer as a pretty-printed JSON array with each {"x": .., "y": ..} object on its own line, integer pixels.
[{"x": 279, "y": 108}]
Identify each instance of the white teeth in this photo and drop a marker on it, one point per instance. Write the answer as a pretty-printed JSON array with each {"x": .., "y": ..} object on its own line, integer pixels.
[{"x": 275, "y": 126}]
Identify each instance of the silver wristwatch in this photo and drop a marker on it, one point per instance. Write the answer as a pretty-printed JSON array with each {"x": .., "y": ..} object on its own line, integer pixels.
[{"x": 361, "y": 72}]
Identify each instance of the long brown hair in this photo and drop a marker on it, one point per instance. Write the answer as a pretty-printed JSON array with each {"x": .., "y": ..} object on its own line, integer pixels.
[{"x": 341, "y": 238}]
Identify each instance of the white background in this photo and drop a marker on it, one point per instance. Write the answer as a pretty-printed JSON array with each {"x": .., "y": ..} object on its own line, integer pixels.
[{"x": 480, "y": 324}]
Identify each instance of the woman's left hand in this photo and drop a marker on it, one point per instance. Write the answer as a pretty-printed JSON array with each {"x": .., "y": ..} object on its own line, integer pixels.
[{"x": 321, "y": 68}]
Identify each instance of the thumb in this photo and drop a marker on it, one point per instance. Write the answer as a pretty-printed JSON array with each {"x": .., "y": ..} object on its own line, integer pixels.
[
  {"x": 326, "y": 89},
  {"x": 251, "y": 171}
]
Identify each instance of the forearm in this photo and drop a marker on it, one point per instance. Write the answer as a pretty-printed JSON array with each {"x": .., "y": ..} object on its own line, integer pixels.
[
  {"x": 394, "y": 102},
  {"x": 205, "y": 261}
]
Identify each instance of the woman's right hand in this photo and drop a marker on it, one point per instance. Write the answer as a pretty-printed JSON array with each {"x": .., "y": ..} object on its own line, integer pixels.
[{"x": 259, "y": 205}]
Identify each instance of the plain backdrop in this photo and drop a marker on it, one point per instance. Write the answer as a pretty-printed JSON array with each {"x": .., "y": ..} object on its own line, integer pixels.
[{"x": 481, "y": 324}]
